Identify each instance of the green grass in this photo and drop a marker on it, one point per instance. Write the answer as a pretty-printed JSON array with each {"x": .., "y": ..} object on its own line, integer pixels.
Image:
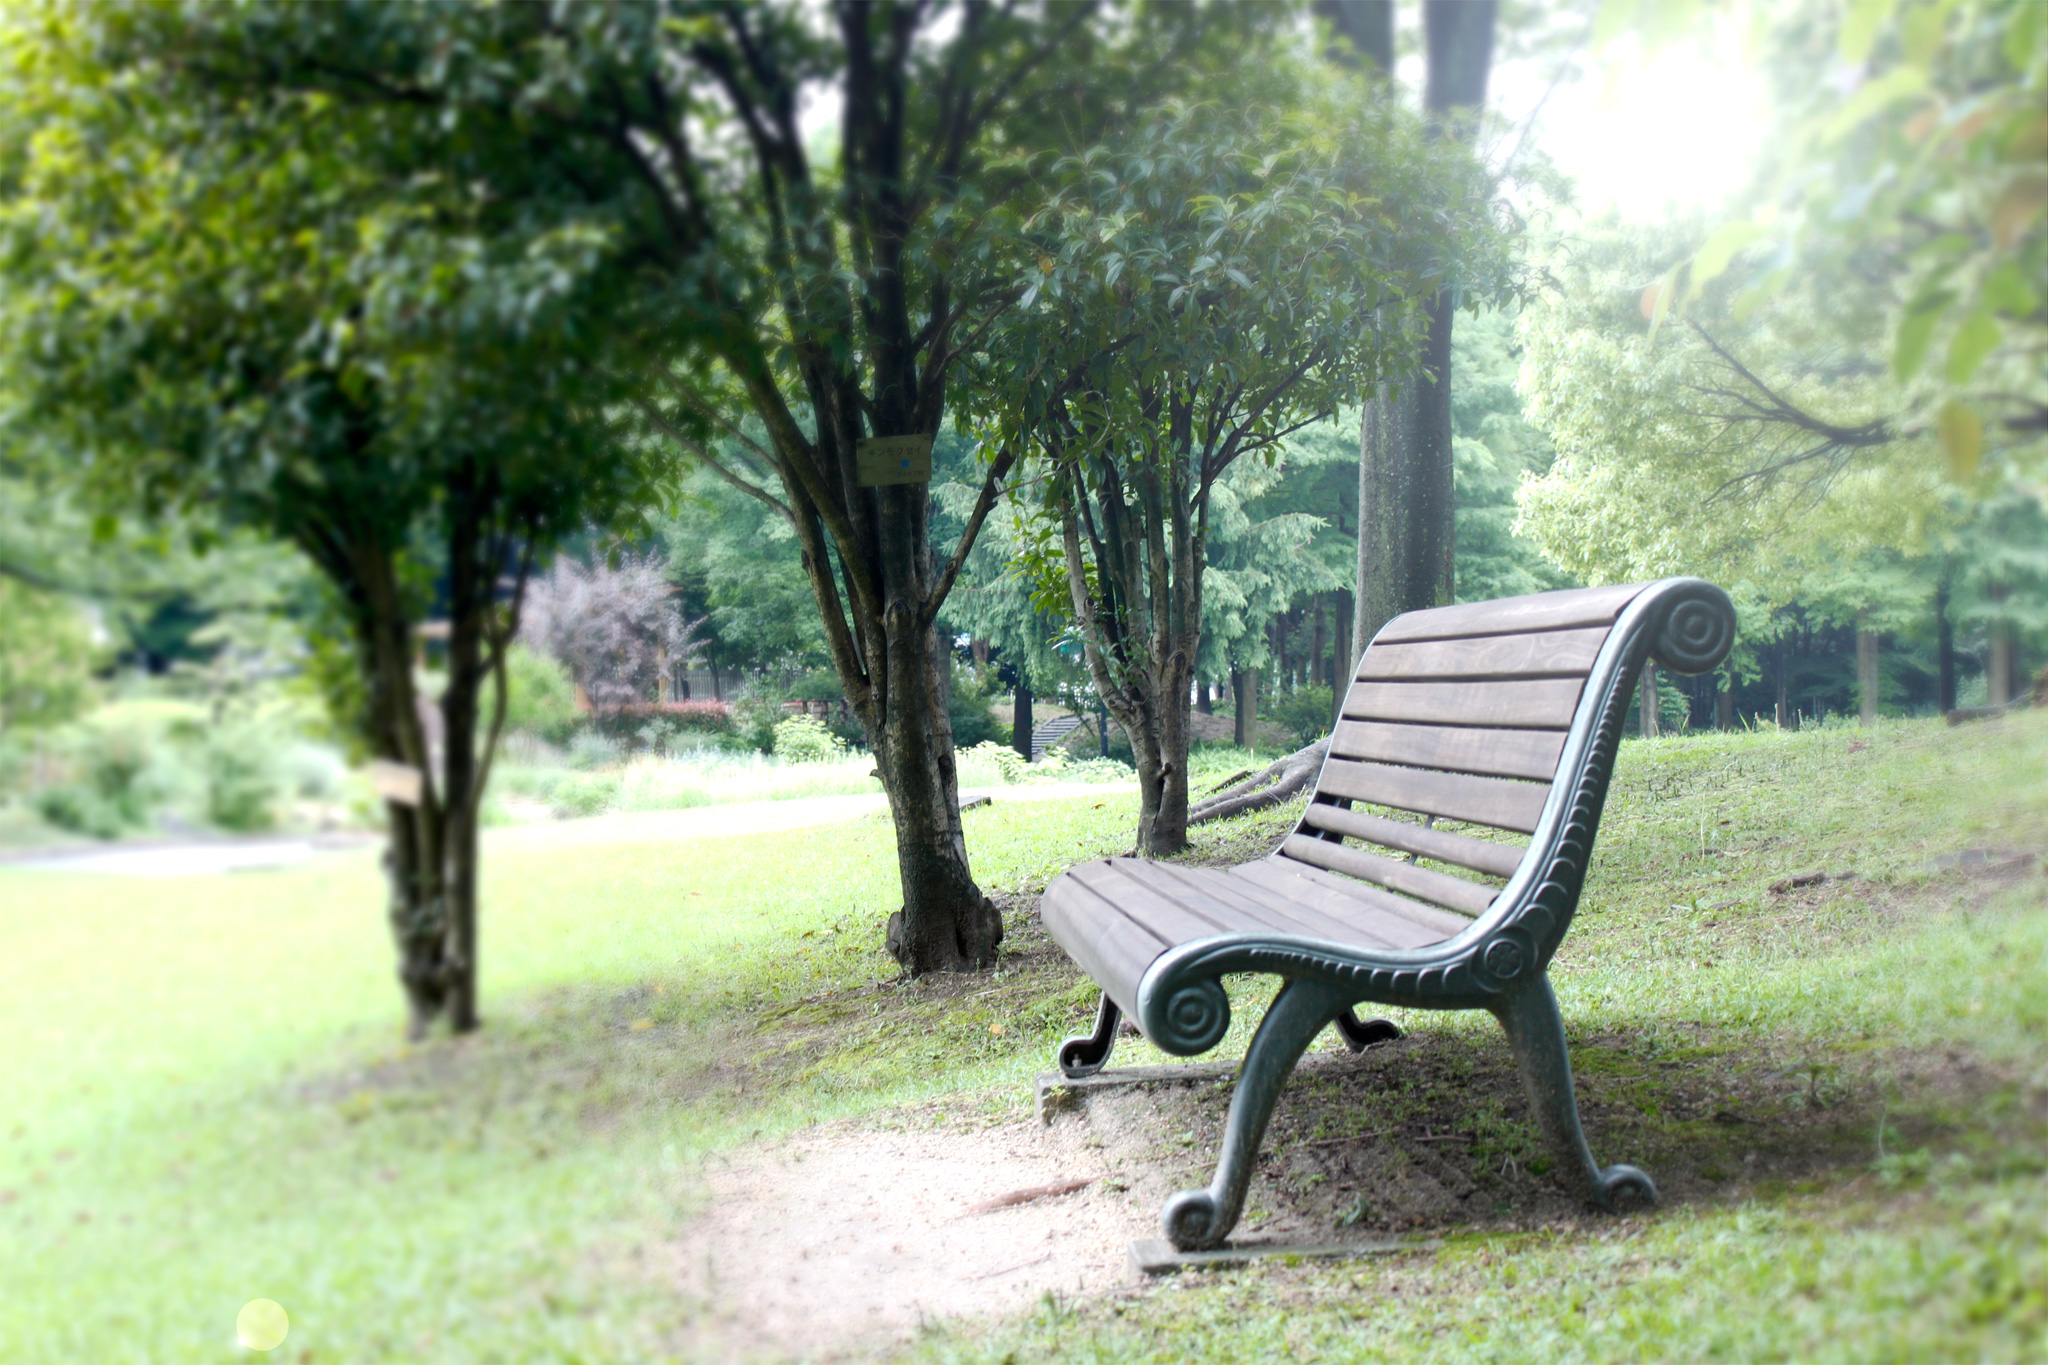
[{"x": 206, "y": 1099}]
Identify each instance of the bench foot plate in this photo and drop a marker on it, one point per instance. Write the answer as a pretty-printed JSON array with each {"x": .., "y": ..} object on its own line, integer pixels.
[
  {"x": 1157, "y": 1256},
  {"x": 1058, "y": 1093}
]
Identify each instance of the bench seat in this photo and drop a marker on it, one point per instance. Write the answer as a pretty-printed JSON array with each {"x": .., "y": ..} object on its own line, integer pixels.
[{"x": 1437, "y": 864}]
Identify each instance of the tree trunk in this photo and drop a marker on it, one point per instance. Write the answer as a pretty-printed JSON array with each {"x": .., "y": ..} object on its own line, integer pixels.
[
  {"x": 1244, "y": 684},
  {"x": 946, "y": 923},
  {"x": 1368, "y": 25},
  {"x": 414, "y": 857},
  {"x": 1944, "y": 651},
  {"x": 1319, "y": 670},
  {"x": 1021, "y": 724},
  {"x": 1646, "y": 703},
  {"x": 1866, "y": 676},
  {"x": 1724, "y": 702},
  {"x": 1345, "y": 657},
  {"x": 1406, "y": 499},
  {"x": 1998, "y": 667},
  {"x": 1204, "y": 702},
  {"x": 1783, "y": 714}
]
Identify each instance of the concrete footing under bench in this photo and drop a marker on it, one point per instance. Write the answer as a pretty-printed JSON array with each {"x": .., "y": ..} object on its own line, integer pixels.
[
  {"x": 1157, "y": 1256},
  {"x": 1060, "y": 1094}
]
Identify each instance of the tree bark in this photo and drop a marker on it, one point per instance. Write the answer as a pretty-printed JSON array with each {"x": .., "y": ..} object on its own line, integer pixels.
[
  {"x": 1944, "y": 651},
  {"x": 1406, "y": 498},
  {"x": 1244, "y": 686},
  {"x": 1646, "y": 702},
  {"x": 1724, "y": 702},
  {"x": 1783, "y": 684},
  {"x": 1866, "y": 676},
  {"x": 1142, "y": 634},
  {"x": 1021, "y": 724},
  {"x": 1368, "y": 28}
]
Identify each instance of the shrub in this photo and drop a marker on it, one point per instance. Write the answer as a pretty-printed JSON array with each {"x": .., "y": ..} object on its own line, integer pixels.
[
  {"x": 45, "y": 657},
  {"x": 1304, "y": 713},
  {"x": 973, "y": 720},
  {"x": 614, "y": 629},
  {"x": 806, "y": 739},
  {"x": 244, "y": 779},
  {"x": 540, "y": 699},
  {"x": 102, "y": 794},
  {"x": 588, "y": 794}
]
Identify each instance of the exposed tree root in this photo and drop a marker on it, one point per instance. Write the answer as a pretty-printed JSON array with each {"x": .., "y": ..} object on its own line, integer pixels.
[{"x": 1267, "y": 787}]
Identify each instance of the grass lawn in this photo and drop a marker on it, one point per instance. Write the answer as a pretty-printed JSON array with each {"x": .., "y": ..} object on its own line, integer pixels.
[{"x": 204, "y": 1099}]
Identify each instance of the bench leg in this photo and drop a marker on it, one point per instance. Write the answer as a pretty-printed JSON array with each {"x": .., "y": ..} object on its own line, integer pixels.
[
  {"x": 1360, "y": 1034},
  {"x": 1536, "y": 1031},
  {"x": 1195, "y": 1220},
  {"x": 1085, "y": 1056}
]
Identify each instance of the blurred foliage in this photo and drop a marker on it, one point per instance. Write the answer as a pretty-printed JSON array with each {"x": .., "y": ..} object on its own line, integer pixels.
[
  {"x": 540, "y": 697},
  {"x": 1898, "y": 218},
  {"x": 46, "y": 658},
  {"x": 806, "y": 739}
]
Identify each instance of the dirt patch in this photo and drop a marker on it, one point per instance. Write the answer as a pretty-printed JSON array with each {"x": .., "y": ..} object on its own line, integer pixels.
[{"x": 847, "y": 1236}]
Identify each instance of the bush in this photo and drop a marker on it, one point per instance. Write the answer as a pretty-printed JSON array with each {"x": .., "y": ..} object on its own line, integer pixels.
[
  {"x": 973, "y": 720},
  {"x": 45, "y": 657},
  {"x": 1304, "y": 713},
  {"x": 806, "y": 739},
  {"x": 244, "y": 779},
  {"x": 540, "y": 699},
  {"x": 589, "y": 794},
  {"x": 103, "y": 794},
  {"x": 756, "y": 709}
]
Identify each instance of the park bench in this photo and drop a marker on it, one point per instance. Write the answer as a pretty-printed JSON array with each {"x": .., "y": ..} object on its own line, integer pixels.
[{"x": 1495, "y": 718}]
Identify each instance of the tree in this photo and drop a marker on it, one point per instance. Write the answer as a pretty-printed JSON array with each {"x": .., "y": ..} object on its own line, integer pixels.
[
  {"x": 250, "y": 303},
  {"x": 828, "y": 286},
  {"x": 1406, "y": 471},
  {"x": 1901, "y": 205},
  {"x": 615, "y": 627},
  {"x": 1207, "y": 289}
]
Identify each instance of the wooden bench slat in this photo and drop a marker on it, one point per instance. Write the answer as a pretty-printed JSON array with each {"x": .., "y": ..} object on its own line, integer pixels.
[
  {"x": 1524, "y": 703},
  {"x": 1498, "y": 860},
  {"x": 1124, "y": 884},
  {"x": 1513, "y": 616},
  {"x": 1356, "y": 921},
  {"x": 1496, "y": 753},
  {"x": 1423, "y": 924},
  {"x": 1494, "y": 801},
  {"x": 1107, "y": 919},
  {"x": 1545, "y": 654},
  {"x": 1438, "y": 888}
]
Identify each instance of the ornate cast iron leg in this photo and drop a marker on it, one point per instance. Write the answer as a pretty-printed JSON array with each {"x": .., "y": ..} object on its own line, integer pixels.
[
  {"x": 1080, "y": 1057},
  {"x": 1536, "y": 1030},
  {"x": 1360, "y": 1034},
  {"x": 1197, "y": 1219}
]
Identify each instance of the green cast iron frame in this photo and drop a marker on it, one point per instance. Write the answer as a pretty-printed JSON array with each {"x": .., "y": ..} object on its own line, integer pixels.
[{"x": 1498, "y": 964}]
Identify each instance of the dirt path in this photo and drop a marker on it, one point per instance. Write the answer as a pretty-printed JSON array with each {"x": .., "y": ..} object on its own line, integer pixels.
[{"x": 844, "y": 1237}]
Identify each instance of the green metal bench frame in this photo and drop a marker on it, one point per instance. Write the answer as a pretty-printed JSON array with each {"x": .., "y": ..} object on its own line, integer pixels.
[{"x": 1496, "y": 962}]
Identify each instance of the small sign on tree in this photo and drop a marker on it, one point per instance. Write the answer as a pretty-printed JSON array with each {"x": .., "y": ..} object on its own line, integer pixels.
[{"x": 885, "y": 460}]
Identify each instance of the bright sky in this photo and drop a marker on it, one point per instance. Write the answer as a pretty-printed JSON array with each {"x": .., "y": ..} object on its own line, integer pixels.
[{"x": 1681, "y": 129}]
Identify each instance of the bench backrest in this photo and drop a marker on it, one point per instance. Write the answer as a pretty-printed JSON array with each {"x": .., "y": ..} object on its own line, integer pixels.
[{"x": 1465, "y": 715}]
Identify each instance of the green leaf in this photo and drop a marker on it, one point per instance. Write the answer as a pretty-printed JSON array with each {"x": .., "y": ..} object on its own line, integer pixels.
[
  {"x": 1976, "y": 338},
  {"x": 1916, "y": 333},
  {"x": 1962, "y": 440},
  {"x": 2023, "y": 39},
  {"x": 1720, "y": 249},
  {"x": 2006, "y": 291},
  {"x": 1860, "y": 28},
  {"x": 1899, "y": 83}
]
